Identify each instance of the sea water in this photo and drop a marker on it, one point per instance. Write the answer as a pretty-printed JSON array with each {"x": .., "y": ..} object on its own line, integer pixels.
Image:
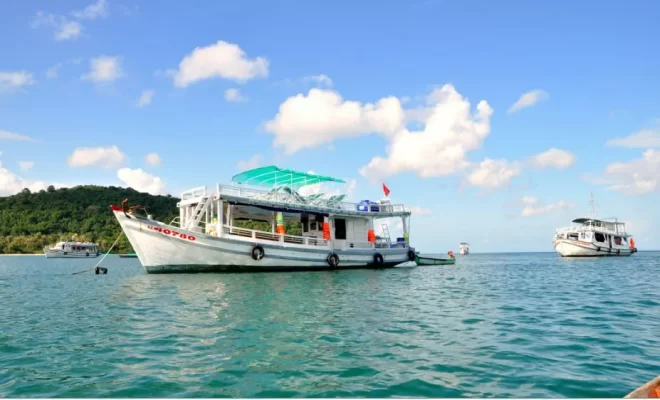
[{"x": 506, "y": 325}]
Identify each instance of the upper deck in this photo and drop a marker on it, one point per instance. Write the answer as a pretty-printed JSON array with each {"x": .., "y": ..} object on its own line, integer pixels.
[
  {"x": 283, "y": 194},
  {"x": 291, "y": 201},
  {"x": 596, "y": 225}
]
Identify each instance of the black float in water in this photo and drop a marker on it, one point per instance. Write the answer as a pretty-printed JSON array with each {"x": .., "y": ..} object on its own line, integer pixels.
[{"x": 100, "y": 270}]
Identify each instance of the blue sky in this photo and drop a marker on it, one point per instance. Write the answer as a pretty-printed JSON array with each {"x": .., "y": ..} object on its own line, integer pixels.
[{"x": 330, "y": 86}]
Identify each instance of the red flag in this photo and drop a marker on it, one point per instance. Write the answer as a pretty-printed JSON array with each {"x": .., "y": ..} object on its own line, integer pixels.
[{"x": 386, "y": 190}]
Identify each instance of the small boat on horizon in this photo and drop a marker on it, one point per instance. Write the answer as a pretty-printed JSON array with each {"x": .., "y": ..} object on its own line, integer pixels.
[
  {"x": 128, "y": 255},
  {"x": 463, "y": 249},
  {"x": 72, "y": 249},
  {"x": 594, "y": 237}
]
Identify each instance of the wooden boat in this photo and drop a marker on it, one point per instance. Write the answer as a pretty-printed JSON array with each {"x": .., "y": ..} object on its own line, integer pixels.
[
  {"x": 426, "y": 260},
  {"x": 650, "y": 390}
]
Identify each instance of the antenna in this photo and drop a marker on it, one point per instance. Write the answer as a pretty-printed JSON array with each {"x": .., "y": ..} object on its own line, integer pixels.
[{"x": 592, "y": 203}]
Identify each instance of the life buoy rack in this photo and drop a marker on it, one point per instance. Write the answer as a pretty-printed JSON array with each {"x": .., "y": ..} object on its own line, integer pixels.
[
  {"x": 257, "y": 252},
  {"x": 411, "y": 255},
  {"x": 378, "y": 259},
  {"x": 333, "y": 260}
]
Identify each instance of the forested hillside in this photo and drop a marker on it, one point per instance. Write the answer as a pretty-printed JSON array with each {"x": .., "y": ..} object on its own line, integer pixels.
[{"x": 30, "y": 221}]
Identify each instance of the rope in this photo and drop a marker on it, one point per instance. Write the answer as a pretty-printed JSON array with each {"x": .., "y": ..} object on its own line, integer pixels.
[{"x": 102, "y": 258}]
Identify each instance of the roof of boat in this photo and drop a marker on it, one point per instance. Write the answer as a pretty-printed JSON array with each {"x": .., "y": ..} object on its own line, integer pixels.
[
  {"x": 585, "y": 220},
  {"x": 272, "y": 176}
]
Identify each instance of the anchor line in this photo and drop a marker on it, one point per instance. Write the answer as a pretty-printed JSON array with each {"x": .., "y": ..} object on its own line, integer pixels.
[{"x": 104, "y": 256}]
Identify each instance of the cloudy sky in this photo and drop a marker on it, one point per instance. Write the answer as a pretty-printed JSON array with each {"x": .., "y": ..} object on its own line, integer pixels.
[{"x": 493, "y": 120}]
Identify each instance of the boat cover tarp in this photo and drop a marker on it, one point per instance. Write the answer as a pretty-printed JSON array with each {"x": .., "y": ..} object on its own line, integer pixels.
[{"x": 272, "y": 176}]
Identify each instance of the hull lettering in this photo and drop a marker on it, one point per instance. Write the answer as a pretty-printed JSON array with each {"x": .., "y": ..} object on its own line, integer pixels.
[{"x": 171, "y": 233}]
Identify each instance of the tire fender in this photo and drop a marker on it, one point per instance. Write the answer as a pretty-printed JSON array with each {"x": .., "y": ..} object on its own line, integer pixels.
[{"x": 257, "y": 252}]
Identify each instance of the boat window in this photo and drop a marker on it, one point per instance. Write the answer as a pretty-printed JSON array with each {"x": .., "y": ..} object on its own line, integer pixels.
[
  {"x": 617, "y": 240},
  {"x": 304, "y": 219},
  {"x": 340, "y": 229},
  {"x": 600, "y": 237},
  {"x": 312, "y": 225}
]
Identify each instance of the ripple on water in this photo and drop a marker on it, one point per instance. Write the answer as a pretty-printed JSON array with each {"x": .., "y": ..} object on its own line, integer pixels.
[{"x": 505, "y": 325}]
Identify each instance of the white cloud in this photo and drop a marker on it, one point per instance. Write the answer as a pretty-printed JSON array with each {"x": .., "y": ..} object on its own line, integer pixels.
[
  {"x": 64, "y": 28},
  {"x": 145, "y": 97},
  {"x": 12, "y": 184},
  {"x": 234, "y": 95},
  {"x": 141, "y": 181},
  {"x": 153, "y": 159},
  {"x": 637, "y": 177},
  {"x": 494, "y": 174},
  {"x": 6, "y": 135},
  {"x": 528, "y": 99},
  {"x": 553, "y": 158},
  {"x": 420, "y": 211},
  {"x": 643, "y": 139},
  {"x": 15, "y": 80},
  {"x": 219, "y": 60},
  {"x": 321, "y": 80},
  {"x": 323, "y": 116},
  {"x": 252, "y": 163},
  {"x": 533, "y": 207},
  {"x": 93, "y": 11},
  {"x": 26, "y": 165},
  {"x": 53, "y": 71},
  {"x": 440, "y": 148},
  {"x": 103, "y": 157},
  {"x": 104, "y": 69},
  {"x": 68, "y": 30}
]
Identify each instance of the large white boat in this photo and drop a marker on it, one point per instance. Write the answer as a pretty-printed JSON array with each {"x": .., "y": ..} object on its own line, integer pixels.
[
  {"x": 72, "y": 249},
  {"x": 463, "y": 249},
  {"x": 594, "y": 237},
  {"x": 206, "y": 236}
]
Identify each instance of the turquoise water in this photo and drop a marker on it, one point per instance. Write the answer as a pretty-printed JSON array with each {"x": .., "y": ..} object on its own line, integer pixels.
[{"x": 500, "y": 325}]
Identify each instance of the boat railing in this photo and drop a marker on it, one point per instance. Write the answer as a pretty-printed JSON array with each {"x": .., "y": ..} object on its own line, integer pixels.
[
  {"x": 587, "y": 228},
  {"x": 201, "y": 225},
  {"x": 275, "y": 237},
  {"x": 311, "y": 202}
]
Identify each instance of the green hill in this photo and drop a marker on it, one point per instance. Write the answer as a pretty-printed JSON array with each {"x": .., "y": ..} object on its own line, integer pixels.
[{"x": 30, "y": 221}]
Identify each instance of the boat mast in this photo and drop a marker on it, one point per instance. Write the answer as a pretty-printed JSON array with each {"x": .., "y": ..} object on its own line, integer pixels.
[{"x": 592, "y": 203}]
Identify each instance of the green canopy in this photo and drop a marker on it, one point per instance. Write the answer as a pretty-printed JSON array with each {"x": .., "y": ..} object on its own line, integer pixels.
[{"x": 273, "y": 176}]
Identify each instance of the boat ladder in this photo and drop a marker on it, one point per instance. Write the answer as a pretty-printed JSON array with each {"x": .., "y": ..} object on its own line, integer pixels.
[
  {"x": 198, "y": 213},
  {"x": 386, "y": 233}
]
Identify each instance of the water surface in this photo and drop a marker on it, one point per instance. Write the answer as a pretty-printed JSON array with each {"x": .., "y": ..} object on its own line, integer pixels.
[{"x": 505, "y": 325}]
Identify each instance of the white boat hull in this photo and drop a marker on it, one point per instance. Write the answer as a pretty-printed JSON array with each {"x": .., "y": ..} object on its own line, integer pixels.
[
  {"x": 162, "y": 248},
  {"x": 61, "y": 254},
  {"x": 574, "y": 248}
]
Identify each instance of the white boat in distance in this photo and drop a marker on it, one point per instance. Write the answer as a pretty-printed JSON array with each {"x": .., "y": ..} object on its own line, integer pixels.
[
  {"x": 594, "y": 237},
  {"x": 464, "y": 249},
  {"x": 72, "y": 250},
  {"x": 205, "y": 238}
]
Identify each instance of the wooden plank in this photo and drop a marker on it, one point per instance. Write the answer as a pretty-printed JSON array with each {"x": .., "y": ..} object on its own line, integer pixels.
[{"x": 650, "y": 390}]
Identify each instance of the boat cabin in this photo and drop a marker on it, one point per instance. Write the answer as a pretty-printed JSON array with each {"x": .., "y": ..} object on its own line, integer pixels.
[
  {"x": 315, "y": 219},
  {"x": 600, "y": 232},
  {"x": 76, "y": 247}
]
